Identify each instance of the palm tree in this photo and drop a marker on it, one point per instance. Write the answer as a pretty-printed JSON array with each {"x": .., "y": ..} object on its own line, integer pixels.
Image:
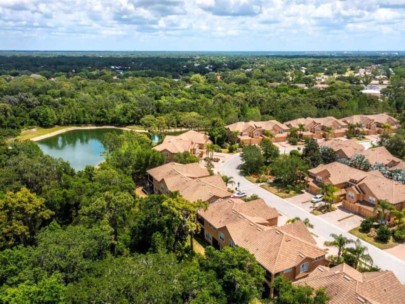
[
  {"x": 340, "y": 242},
  {"x": 399, "y": 216},
  {"x": 329, "y": 195},
  {"x": 385, "y": 127},
  {"x": 381, "y": 207},
  {"x": 328, "y": 131},
  {"x": 228, "y": 180},
  {"x": 306, "y": 221},
  {"x": 301, "y": 129},
  {"x": 359, "y": 254}
]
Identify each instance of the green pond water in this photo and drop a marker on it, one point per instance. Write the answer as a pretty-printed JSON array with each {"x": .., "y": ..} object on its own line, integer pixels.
[{"x": 79, "y": 147}]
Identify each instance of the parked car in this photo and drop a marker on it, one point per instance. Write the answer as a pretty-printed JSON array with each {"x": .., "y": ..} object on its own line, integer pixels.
[
  {"x": 317, "y": 198},
  {"x": 239, "y": 195}
]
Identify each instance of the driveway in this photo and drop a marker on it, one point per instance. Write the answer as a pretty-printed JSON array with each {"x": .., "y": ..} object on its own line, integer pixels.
[
  {"x": 322, "y": 227},
  {"x": 398, "y": 251}
]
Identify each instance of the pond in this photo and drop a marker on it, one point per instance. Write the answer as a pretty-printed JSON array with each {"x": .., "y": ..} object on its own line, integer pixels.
[{"x": 79, "y": 147}]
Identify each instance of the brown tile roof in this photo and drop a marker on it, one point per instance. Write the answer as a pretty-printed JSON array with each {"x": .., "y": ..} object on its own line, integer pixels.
[
  {"x": 275, "y": 248},
  {"x": 182, "y": 143},
  {"x": 191, "y": 180},
  {"x": 193, "y": 170},
  {"x": 384, "y": 118},
  {"x": 296, "y": 122},
  {"x": 329, "y": 121},
  {"x": 226, "y": 211},
  {"x": 345, "y": 285},
  {"x": 348, "y": 147},
  {"x": 357, "y": 119},
  {"x": 308, "y": 122},
  {"x": 380, "y": 155},
  {"x": 383, "y": 188},
  {"x": 338, "y": 173},
  {"x": 265, "y": 125}
]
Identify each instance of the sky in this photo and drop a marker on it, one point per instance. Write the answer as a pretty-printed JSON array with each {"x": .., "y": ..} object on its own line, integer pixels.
[{"x": 203, "y": 25}]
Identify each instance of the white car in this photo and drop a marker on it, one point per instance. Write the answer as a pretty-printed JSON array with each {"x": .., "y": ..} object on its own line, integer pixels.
[
  {"x": 239, "y": 195},
  {"x": 317, "y": 198}
]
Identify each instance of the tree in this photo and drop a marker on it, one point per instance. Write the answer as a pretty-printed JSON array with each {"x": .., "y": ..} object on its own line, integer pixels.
[
  {"x": 22, "y": 214},
  {"x": 328, "y": 155},
  {"x": 360, "y": 162},
  {"x": 240, "y": 275},
  {"x": 366, "y": 225},
  {"x": 289, "y": 170},
  {"x": 340, "y": 242},
  {"x": 311, "y": 153},
  {"x": 113, "y": 208},
  {"x": 228, "y": 180},
  {"x": 329, "y": 195},
  {"x": 399, "y": 216},
  {"x": 381, "y": 209},
  {"x": 269, "y": 150},
  {"x": 383, "y": 234},
  {"x": 170, "y": 230},
  {"x": 301, "y": 129},
  {"x": 306, "y": 221},
  {"x": 287, "y": 293},
  {"x": 253, "y": 160},
  {"x": 217, "y": 131},
  {"x": 186, "y": 158},
  {"x": 357, "y": 255}
]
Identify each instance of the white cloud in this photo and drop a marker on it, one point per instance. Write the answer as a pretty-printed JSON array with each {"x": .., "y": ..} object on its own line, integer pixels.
[{"x": 202, "y": 19}]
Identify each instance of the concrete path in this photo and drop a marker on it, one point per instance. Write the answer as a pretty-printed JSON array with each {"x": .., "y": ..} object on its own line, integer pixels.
[{"x": 322, "y": 228}]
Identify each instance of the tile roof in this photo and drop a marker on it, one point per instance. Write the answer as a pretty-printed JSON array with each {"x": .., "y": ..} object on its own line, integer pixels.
[
  {"x": 265, "y": 125},
  {"x": 345, "y": 285},
  {"x": 275, "y": 248},
  {"x": 380, "y": 155},
  {"x": 226, "y": 211},
  {"x": 193, "y": 170},
  {"x": 383, "y": 188},
  {"x": 338, "y": 173},
  {"x": 348, "y": 147},
  {"x": 183, "y": 142},
  {"x": 191, "y": 180}
]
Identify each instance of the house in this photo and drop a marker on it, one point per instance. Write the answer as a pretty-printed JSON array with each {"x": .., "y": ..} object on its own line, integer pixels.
[
  {"x": 328, "y": 127},
  {"x": 191, "y": 181},
  {"x": 190, "y": 141},
  {"x": 337, "y": 174},
  {"x": 361, "y": 198},
  {"x": 344, "y": 149},
  {"x": 253, "y": 132},
  {"x": 382, "y": 156},
  {"x": 289, "y": 250},
  {"x": 345, "y": 285},
  {"x": 372, "y": 124}
]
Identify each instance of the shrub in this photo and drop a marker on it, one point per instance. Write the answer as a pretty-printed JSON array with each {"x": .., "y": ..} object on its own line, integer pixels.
[
  {"x": 232, "y": 148},
  {"x": 383, "y": 234},
  {"x": 399, "y": 234},
  {"x": 366, "y": 225}
]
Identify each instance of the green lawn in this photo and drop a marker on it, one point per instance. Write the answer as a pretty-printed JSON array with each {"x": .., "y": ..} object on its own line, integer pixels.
[
  {"x": 35, "y": 132},
  {"x": 279, "y": 192},
  {"x": 363, "y": 236}
]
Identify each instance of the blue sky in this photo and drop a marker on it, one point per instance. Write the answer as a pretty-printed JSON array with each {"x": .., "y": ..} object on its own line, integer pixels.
[{"x": 202, "y": 25}]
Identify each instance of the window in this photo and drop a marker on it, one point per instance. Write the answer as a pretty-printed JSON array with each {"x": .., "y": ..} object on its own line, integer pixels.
[
  {"x": 371, "y": 200},
  {"x": 319, "y": 178},
  {"x": 351, "y": 195},
  {"x": 287, "y": 270},
  {"x": 304, "y": 267},
  {"x": 231, "y": 243},
  {"x": 208, "y": 236},
  {"x": 221, "y": 236}
]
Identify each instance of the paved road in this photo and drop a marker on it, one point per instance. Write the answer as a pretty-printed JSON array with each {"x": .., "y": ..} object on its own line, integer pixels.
[{"x": 321, "y": 227}]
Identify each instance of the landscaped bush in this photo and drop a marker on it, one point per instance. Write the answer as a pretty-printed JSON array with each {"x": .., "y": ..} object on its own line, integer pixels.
[
  {"x": 366, "y": 225},
  {"x": 232, "y": 148},
  {"x": 383, "y": 234},
  {"x": 399, "y": 234}
]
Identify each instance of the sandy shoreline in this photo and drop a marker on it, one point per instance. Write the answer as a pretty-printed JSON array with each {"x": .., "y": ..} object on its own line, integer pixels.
[{"x": 67, "y": 129}]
